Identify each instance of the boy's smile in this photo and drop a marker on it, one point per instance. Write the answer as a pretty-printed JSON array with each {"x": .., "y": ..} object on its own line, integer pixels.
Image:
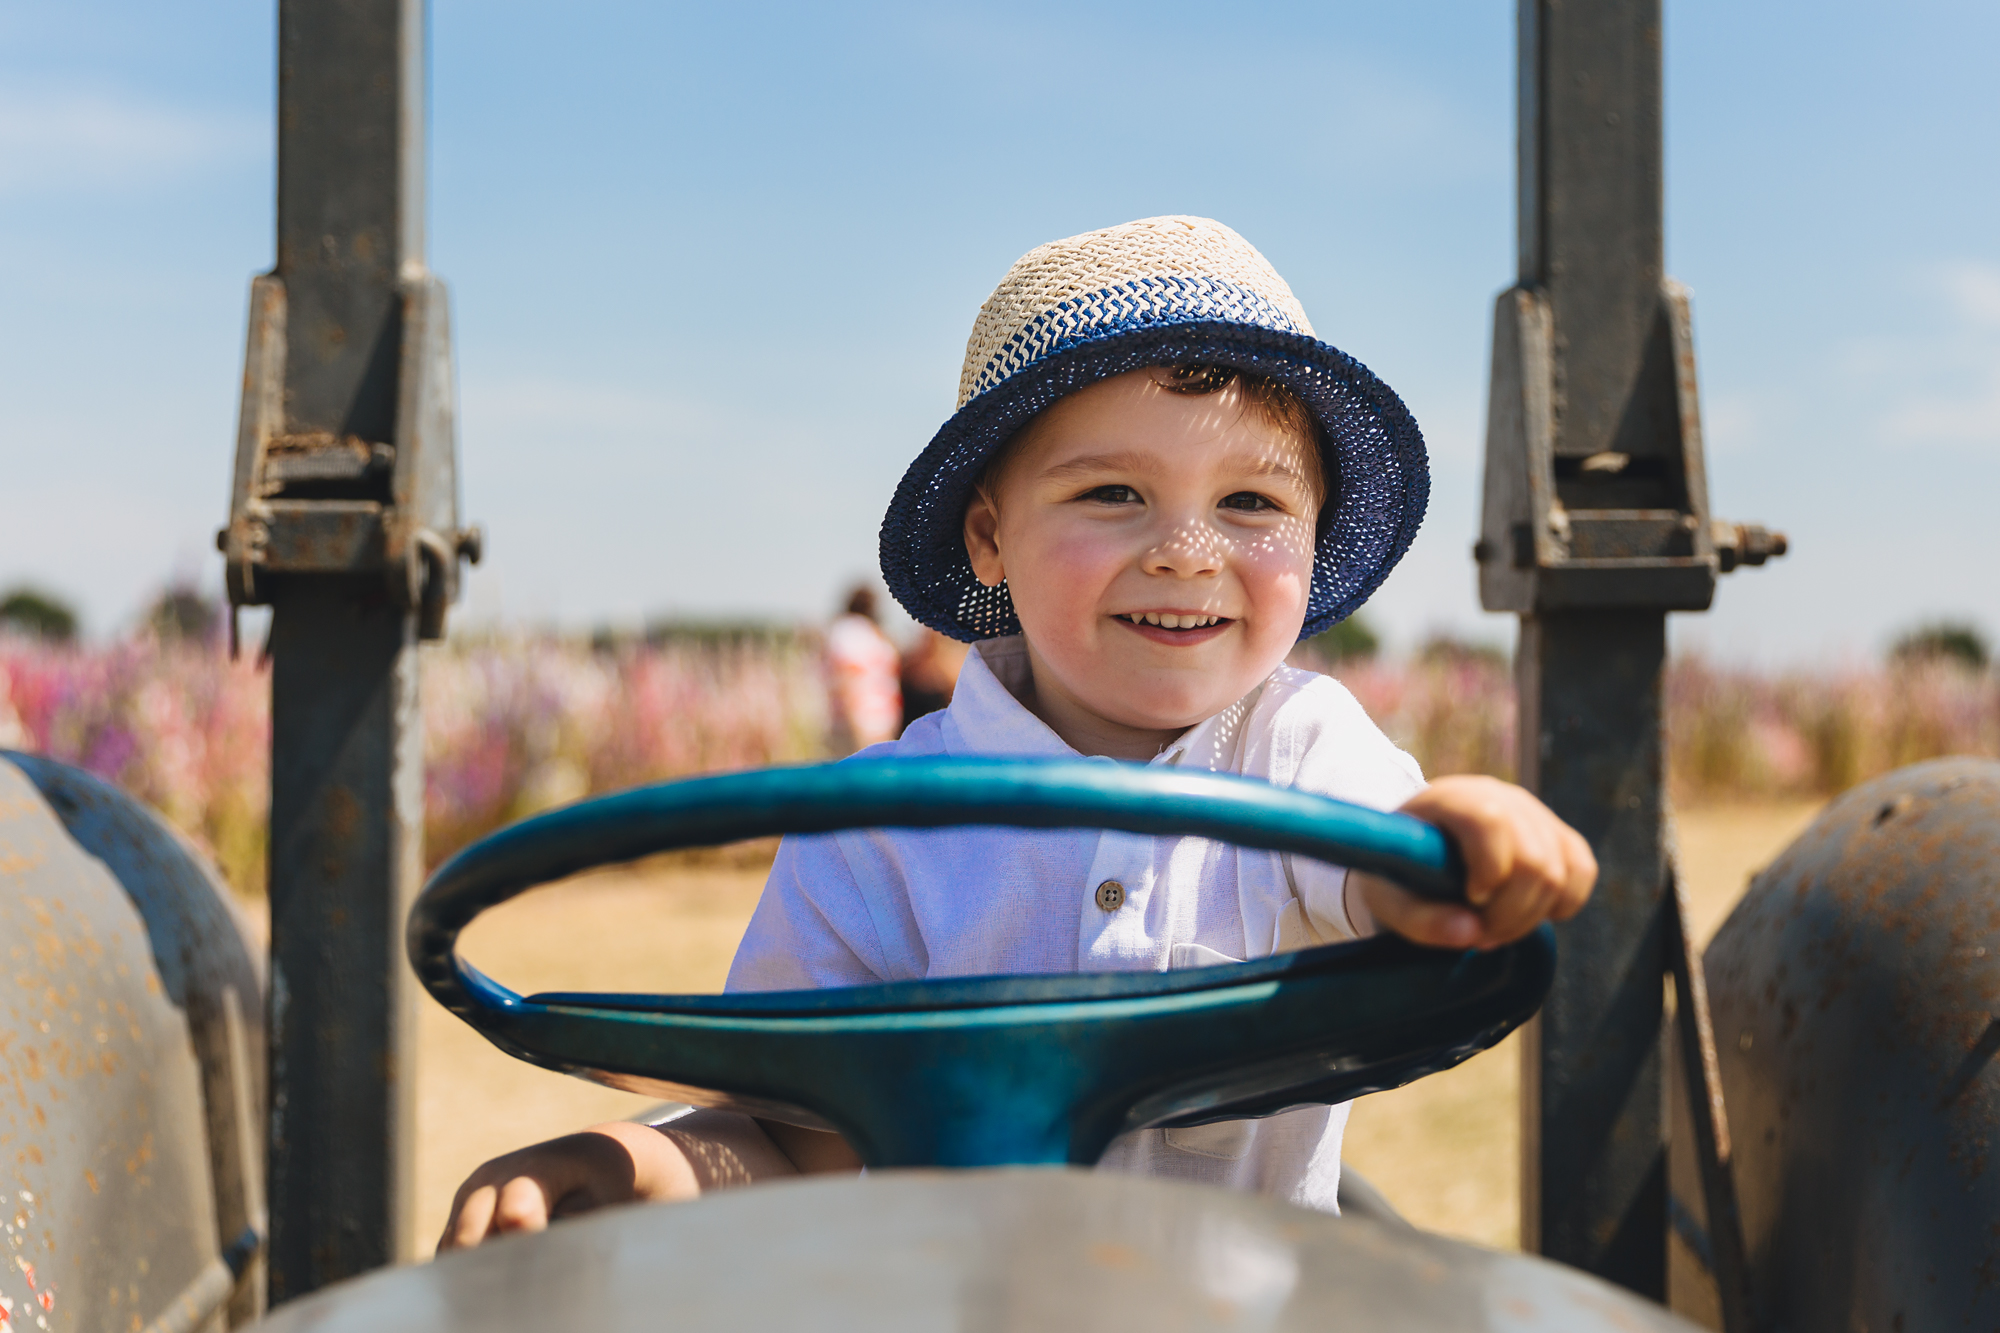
[
  {"x": 1182, "y": 627},
  {"x": 1158, "y": 547}
]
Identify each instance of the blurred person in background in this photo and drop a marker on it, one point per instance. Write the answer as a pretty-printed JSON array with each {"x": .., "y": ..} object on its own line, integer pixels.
[
  {"x": 863, "y": 669},
  {"x": 930, "y": 671}
]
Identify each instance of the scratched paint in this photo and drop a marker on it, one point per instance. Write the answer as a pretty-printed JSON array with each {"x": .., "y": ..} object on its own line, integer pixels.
[
  {"x": 1856, "y": 1000},
  {"x": 106, "y": 1206}
]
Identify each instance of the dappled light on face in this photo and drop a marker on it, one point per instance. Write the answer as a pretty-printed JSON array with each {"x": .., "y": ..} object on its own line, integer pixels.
[
  {"x": 1189, "y": 550},
  {"x": 1197, "y": 548},
  {"x": 1291, "y": 536},
  {"x": 1203, "y": 418}
]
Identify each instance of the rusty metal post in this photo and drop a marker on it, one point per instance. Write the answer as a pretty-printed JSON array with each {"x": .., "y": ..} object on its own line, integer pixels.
[
  {"x": 1593, "y": 1187},
  {"x": 1595, "y": 525},
  {"x": 344, "y": 520}
]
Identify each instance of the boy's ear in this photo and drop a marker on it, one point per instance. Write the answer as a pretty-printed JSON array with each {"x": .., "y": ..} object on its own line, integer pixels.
[{"x": 982, "y": 538}]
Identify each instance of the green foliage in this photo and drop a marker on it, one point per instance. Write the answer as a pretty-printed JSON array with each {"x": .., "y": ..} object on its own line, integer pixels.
[
  {"x": 1445, "y": 650},
  {"x": 1953, "y": 641},
  {"x": 1352, "y": 640},
  {"x": 182, "y": 613},
  {"x": 38, "y": 614},
  {"x": 1713, "y": 746},
  {"x": 725, "y": 635}
]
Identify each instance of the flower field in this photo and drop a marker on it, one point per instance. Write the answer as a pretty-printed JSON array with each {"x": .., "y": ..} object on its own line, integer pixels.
[
  {"x": 509, "y": 728},
  {"x": 513, "y": 726},
  {"x": 1731, "y": 734}
]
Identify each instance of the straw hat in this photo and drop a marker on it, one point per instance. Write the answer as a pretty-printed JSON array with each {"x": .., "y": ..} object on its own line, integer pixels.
[{"x": 1160, "y": 291}]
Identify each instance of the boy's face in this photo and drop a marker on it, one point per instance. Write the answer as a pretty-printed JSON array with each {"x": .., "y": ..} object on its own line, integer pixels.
[{"x": 1127, "y": 508}]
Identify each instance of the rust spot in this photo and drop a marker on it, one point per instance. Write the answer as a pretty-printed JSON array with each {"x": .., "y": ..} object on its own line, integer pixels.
[
  {"x": 90, "y": 1179},
  {"x": 343, "y": 813},
  {"x": 1890, "y": 809},
  {"x": 1111, "y": 1254}
]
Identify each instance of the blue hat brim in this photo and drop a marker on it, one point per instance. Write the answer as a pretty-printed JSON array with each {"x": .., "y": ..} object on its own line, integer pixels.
[{"x": 1376, "y": 467}]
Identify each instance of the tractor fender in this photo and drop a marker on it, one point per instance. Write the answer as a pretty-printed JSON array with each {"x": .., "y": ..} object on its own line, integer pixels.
[
  {"x": 1007, "y": 1250},
  {"x": 131, "y": 1060},
  {"x": 1855, "y": 994}
]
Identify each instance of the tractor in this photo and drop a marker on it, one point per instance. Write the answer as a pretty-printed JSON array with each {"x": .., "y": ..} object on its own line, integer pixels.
[{"x": 1792, "y": 1130}]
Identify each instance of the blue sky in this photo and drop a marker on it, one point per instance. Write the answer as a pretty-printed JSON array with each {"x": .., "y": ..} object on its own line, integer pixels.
[{"x": 713, "y": 268}]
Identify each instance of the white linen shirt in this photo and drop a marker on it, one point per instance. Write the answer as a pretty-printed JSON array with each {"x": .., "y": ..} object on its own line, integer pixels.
[{"x": 874, "y": 905}]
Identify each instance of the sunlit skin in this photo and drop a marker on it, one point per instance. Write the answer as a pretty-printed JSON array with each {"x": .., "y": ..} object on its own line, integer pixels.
[{"x": 1121, "y": 502}]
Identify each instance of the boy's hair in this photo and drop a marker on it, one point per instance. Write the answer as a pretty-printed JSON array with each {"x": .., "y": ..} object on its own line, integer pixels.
[{"x": 1274, "y": 402}]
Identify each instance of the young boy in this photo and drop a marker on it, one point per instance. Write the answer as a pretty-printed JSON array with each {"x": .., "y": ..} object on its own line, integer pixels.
[{"x": 1157, "y": 482}]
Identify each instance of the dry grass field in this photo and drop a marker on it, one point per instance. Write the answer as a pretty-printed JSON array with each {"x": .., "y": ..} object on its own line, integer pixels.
[{"x": 1443, "y": 1150}]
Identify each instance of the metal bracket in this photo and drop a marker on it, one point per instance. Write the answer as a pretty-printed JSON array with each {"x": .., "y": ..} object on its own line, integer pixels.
[
  {"x": 1621, "y": 526},
  {"x": 1715, "y": 1236},
  {"x": 320, "y": 503}
]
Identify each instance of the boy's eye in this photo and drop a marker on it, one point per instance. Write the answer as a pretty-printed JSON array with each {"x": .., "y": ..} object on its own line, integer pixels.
[
  {"x": 1247, "y": 500},
  {"x": 1111, "y": 495}
]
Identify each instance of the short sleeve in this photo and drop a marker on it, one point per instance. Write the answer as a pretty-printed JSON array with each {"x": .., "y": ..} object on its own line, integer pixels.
[
  {"x": 812, "y": 927},
  {"x": 1342, "y": 753}
]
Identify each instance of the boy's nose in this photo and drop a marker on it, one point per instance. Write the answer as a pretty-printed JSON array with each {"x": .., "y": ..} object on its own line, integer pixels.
[{"x": 1187, "y": 550}]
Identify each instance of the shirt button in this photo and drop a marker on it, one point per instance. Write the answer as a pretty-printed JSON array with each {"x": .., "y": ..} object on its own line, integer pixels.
[{"x": 1111, "y": 895}]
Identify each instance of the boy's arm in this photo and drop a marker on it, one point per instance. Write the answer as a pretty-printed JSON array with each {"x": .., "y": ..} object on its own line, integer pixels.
[
  {"x": 1523, "y": 866},
  {"x": 811, "y": 1152},
  {"x": 804, "y": 934},
  {"x": 621, "y": 1162}
]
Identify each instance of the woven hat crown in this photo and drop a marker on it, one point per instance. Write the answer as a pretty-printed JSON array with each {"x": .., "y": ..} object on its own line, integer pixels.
[{"x": 1129, "y": 275}]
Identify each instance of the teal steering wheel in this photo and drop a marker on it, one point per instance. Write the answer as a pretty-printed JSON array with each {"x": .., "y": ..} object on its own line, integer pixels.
[{"x": 987, "y": 1071}]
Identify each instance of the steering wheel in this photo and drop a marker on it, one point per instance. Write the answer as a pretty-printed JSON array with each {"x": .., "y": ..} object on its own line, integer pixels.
[{"x": 988, "y": 1071}]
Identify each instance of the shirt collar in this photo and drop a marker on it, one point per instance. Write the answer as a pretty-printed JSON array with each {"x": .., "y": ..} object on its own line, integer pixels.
[
  {"x": 984, "y": 711},
  {"x": 987, "y": 717},
  {"x": 1215, "y": 745}
]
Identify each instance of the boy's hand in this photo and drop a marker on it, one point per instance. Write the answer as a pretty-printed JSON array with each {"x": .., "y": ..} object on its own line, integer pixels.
[
  {"x": 1523, "y": 866},
  {"x": 622, "y": 1162},
  {"x": 528, "y": 1189}
]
